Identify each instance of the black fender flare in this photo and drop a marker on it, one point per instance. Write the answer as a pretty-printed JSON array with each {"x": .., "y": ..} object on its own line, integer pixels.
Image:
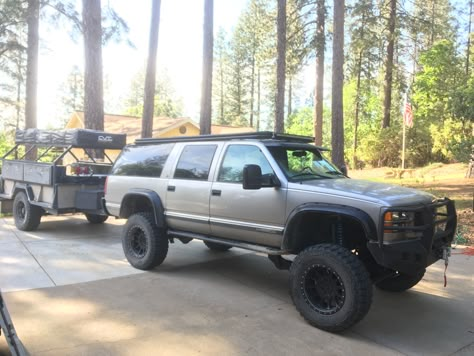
[
  {"x": 153, "y": 198},
  {"x": 360, "y": 216},
  {"x": 21, "y": 187}
]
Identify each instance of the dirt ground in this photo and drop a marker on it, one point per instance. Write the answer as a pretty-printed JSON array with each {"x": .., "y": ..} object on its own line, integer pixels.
[{"x": 442, "y": 180}]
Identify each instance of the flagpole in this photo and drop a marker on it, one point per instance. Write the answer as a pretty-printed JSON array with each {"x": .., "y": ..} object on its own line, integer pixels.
[{"x": 403, "y": 143}]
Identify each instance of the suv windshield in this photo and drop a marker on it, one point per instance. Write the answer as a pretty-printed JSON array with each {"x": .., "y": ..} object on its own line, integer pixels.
[{"x": 303, "y": 162}]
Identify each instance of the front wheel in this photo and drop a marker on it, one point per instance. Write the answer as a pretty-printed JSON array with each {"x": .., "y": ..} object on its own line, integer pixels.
[
  {"x": 96, "y": 218},
  {"x": 27, "y": 217},
  {"x": 330, "y": 287},
  {"x": 144, "y": 244},
  {"x": 400, "y": 282}
]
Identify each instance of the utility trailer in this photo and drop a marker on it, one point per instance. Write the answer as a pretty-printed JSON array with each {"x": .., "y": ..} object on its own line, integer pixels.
[{"x": 58, "y": 172}]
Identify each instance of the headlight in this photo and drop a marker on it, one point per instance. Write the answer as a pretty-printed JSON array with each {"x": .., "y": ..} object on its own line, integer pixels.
[{"x": 395, "y": 224}]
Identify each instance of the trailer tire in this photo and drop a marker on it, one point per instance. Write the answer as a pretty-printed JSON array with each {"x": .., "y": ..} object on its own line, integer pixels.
[
  {"x": 27, "y": 216},
  {"x": 96, "y": 218}
]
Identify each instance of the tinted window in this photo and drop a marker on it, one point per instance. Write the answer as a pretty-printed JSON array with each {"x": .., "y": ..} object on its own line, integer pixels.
[
  {"x": 236, "y": 157},
  {"x": 195, "y": 162},
  {"x": 143, "y": 161}
]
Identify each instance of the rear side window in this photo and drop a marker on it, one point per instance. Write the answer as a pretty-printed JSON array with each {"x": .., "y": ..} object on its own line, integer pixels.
[
  {"x": 195, "y": 162},
  {"x": 142, "y": 161}
]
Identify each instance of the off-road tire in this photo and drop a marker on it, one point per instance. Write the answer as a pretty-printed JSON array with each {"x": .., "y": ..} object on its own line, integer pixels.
[
  {"x": 145, "y": 245},
  {"x": 95, "y": 218},
  {"x": 330, "y": 287},
  {"x": 214, "y": 246},
  {"x": 400, "y": 282},
  {"x": 27, "y": 216}
]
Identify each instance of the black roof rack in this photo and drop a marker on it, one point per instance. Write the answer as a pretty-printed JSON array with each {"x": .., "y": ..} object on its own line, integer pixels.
[{"x": 261, "y": 135}]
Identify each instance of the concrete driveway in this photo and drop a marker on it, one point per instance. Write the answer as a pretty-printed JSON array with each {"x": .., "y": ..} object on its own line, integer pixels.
[{"x": 70, "y": 291}]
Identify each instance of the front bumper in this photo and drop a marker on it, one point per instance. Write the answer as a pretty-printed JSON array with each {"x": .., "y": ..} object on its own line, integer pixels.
[{"x": 435, "y": 228}]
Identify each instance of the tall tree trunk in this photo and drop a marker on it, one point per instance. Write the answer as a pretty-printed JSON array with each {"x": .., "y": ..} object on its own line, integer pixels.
[
  {"x": 337, "y": 128},
  {"x": 258, "y": 99},
  {"x": 279, "y": 126},
  {"x": 387, "y": 102},
  {"x": 221, "y": 90},
  {"x": 19, "y": 82},
  {"x": 319, "y": 91},
  {"x": 290, "y": 95},
  {"x": 93, "y": 81},
  {"x": 252, "y": 87},
  {"x": 206, "y": 92},
  {"x": 32, "y": 20},
  {"x": 469, "y": 38},
  {"x": 150, "y": 79},
  {"x": 357, "y": 110},
  {"x": 432, "y": 25}
]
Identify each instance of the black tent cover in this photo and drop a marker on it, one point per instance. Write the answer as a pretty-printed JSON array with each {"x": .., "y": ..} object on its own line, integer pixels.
[{"x": 73, "y": 137}]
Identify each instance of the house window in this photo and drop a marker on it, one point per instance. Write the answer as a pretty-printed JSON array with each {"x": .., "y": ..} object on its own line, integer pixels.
[{"x": 182, "y": 130}]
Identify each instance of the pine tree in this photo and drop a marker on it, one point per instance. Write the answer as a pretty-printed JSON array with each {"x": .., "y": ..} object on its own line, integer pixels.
[
  {"x": 362, "y": 57},
  {"x": 207, "y": 59},
  {"x": 150, "y": 78},
  {"x": 221, "y": 75},
  {"x": 320, "y": 44},
  {"x": 93, "y": 80},
  {"x": 388, "y": 79},
  {"x": 337, "y": 128},
  {"x": 279, "y": 126}
]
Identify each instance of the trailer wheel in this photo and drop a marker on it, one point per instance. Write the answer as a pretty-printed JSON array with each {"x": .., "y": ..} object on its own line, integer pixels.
[
  {"x": 96, "y": 218},
  {"x": 27, "y": 217},
  {"x": 145, "y": 245}
]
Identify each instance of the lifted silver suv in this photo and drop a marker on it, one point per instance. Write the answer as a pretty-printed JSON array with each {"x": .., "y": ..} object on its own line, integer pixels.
[{"x": 279, "y": 195}]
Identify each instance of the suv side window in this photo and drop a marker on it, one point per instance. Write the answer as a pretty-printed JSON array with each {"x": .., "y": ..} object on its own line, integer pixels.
[
  {"x": 142, "y": 161},
  {"x": 236, "y": 157},
  {"x": 195, "y": 162}
]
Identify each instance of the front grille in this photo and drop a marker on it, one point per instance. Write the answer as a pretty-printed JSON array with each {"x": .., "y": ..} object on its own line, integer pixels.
[{"x": 435, "y": 221}]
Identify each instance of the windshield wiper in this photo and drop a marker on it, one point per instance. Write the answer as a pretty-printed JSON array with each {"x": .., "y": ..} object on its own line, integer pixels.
[
  {"x": 335, "y": 173},
  {"x": 306, "y": 174}
]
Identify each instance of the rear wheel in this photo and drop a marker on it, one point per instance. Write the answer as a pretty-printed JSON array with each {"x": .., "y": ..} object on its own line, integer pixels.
[
  {"x": 400, "y": 282},
  {"x": 214, "y": 246},
  {"x": 144, "y": 244},
  {"x": 96, "y": 218},
  {"x": 27, "y": 217},
  {"x": 330, "y": 287}
]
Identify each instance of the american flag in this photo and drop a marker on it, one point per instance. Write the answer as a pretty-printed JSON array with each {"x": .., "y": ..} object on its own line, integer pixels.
[{"x": 408, "y": 115}]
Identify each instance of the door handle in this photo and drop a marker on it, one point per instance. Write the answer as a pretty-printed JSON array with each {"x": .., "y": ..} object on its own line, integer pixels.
[
  {"x": 171, "y": 188},
  {"x": 216, "y": 192}
]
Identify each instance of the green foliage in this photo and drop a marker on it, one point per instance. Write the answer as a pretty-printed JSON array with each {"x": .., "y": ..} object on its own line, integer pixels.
[
  {"x": 452, "y": 139},
  {"x": 437, "y": 82},
  {"x": 443, "y": 101},
  {"x": 6, "y": 142},
  {"x": 72, "y": 92},
  {"x": 167, "y": 104},
  {"x": 301, "y": 122}
]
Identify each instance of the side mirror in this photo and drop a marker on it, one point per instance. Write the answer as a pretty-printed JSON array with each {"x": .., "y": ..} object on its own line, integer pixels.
[{"x": 252, "y": 177}]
